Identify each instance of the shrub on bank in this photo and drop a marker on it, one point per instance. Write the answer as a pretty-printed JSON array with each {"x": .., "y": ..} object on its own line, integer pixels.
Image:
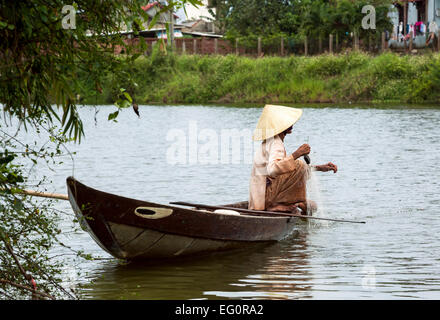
[
  {"x": 426, "y": 86},
  {"x": 353, "y": 76}
]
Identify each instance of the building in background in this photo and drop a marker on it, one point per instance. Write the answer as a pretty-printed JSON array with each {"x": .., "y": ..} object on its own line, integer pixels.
[
  {"x": 413, "y": 11},
  {"x": 199, "y": 20},
  {"x": 415, "y": 17},
  {"x": 159, "y": 30},
  {"x": 199, "y": 13}
]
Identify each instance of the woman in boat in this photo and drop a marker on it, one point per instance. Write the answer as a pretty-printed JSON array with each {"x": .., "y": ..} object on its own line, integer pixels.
[{"x": 278, "y": 181}]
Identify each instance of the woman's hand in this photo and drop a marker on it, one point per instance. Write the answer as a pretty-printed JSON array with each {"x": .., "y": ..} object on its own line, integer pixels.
[
  {"x": 327, "y": 167},
  {"x": 301, "y": 151}
]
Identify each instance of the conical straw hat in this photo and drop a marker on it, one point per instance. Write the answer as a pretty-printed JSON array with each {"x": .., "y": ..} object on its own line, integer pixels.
[{"x": 274, "y": 120}]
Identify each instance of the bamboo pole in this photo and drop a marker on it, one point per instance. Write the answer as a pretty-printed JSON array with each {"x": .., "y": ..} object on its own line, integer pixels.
[
  {"x": 237, "y": 52},
  {"x": 45, "y": 194},
  {"x": 383, "y": 42},
  {"x": 260, "y": 212},
  {"x": 171, "y": 40}
]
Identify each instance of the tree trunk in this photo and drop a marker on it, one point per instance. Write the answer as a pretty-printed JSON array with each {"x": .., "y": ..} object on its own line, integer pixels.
[
  {"x": 320, "y": 44},
  {"x": 282, "y": 46},
  {"x": 259, "y": 46},
  {"x": 306, "y": 46},
  {"x": 330, "y": 44}
]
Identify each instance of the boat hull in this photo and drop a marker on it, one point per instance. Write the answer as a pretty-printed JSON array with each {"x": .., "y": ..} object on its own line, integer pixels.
[{"x": 134, "y": 229}]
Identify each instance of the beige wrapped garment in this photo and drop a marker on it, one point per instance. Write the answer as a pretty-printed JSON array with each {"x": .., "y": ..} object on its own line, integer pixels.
[{"x": 276, "y": 178}]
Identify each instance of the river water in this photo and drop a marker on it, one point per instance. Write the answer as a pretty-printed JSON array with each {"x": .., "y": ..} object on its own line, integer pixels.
[{"x": 388, "y": 176}]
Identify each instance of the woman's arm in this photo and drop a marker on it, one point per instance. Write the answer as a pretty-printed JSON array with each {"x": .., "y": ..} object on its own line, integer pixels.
[
  {"x": 278, "y": 163},
  {"x": 326, "y": 167},
  {"x": 301, "y": 151}
]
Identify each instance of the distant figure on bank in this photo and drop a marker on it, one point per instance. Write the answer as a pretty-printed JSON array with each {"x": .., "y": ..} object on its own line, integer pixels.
[{"x": 278, "y": 181}]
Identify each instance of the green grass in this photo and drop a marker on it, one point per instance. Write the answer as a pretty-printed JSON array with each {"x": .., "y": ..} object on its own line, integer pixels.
[{"x": 352, "y": 77}]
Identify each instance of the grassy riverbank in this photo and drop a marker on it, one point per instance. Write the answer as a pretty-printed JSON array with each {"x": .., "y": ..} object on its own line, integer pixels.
[{"x": 353, "y": 77}]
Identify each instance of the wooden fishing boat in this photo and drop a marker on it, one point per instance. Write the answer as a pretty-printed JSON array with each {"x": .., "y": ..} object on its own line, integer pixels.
[{"x": 135, "y": 229}]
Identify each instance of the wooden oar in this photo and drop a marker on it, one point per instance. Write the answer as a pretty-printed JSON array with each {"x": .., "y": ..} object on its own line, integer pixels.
[
  {"x": 45, "y": 194},
  {"x": 259, "y": 212}
]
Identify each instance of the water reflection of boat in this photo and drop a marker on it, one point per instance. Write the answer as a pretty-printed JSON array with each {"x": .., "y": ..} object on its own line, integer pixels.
[
  {"x": 287, "y": 275},
  {"x": 267, "y": 271},
  {"x": 135, "y": 229}
]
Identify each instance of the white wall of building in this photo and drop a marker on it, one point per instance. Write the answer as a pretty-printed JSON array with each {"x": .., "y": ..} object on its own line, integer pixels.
[
  {"x": 201, "y": 12},
  {"x": 393, "y": 14},
  {"x": 412, "y": 13},
  {"x": 434, "y": 8}
]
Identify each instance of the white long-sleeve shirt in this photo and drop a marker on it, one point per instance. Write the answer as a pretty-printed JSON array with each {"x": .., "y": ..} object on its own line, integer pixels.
[{"x": 270, "y": 160}]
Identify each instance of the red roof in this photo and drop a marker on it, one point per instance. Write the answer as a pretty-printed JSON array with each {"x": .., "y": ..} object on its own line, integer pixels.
[{"x": 149, "y": 6}]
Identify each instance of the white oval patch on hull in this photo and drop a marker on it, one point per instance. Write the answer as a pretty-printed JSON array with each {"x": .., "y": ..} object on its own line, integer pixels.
[{"x": 152, "y": 212}]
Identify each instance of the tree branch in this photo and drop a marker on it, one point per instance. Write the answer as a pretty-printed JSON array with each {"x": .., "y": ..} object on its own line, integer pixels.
[
  {"x": 9, "y": 248},
  {"x": 27, "y": 276},
  {"x": 27, "y": 288}
]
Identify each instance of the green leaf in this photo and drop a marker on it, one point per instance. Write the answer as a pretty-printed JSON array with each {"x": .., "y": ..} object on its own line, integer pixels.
[
  {"x": 127, "y": 95},
  {"x": 153, "y": 21},
  {"x": 7, "y": 159},
  {"x": 113, "y": 116}
]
